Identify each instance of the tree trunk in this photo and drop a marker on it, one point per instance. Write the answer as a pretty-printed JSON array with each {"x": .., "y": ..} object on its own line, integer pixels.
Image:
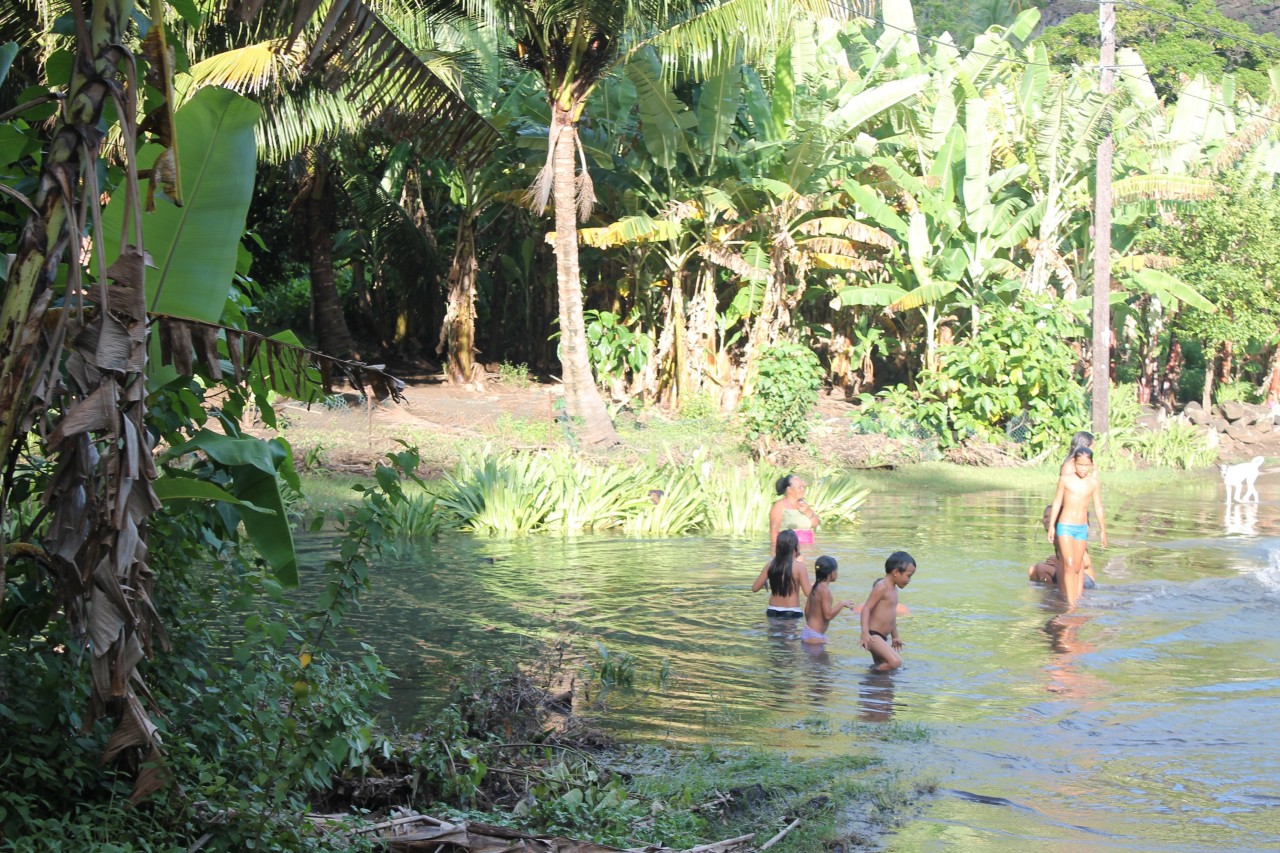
[
  {"x": 333, "y": 337},
  {"x": 458, "y": 331},
  {"x": 1172, "y": 375},
  {"x": 1210, "y": 370},
  {"x": 581, "y": 394},
  {"x": 1273, "y": 382}
]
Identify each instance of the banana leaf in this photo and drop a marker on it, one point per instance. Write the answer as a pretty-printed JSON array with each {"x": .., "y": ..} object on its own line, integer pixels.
[{"x": 193, "y": 248}]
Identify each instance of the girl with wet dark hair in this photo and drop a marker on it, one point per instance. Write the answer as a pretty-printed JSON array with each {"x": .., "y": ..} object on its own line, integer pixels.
[
  {"x": 786, "y": 577},
  {"x": 791, "y": 512}
]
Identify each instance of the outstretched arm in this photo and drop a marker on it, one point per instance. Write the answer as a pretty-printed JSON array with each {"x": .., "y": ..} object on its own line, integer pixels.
[{"x": 762, "y": 579}]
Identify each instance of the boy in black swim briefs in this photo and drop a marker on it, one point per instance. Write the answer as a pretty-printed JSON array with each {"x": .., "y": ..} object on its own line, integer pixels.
[{"x": 880, "y": 612}]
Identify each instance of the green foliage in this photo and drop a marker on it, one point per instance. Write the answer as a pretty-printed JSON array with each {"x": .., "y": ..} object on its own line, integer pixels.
[
  {"x": 611, "y": 669},
  {"x": 1229, "y": 248},
  {"x": 515, "y": 375},
  {"x": 573, "y": 798},
  {"x": 417, "y": 517},
  {"x": 1238, "y": 392},
  {"x": 613, "y": 348},
  {"x": 698, "y": 406},
  {"x": 523, "y": 431},
  {"x": 1174, "y": 50},
  {"x": 785, "y": 391},
  {"x": 1178, "y": 445},
  {"x": 258, "y": 710},
  {"x": 511, "y": 493},
  {"x": 1016, "y": 374}
]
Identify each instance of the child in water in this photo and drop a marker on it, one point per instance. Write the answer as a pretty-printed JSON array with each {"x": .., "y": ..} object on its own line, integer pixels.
[
  {"x": 819, "y": 609},
  {"x": 787, "y": 578},
  {"x": 880, "y": 612},
  {"x": 1046, "y": 571}
]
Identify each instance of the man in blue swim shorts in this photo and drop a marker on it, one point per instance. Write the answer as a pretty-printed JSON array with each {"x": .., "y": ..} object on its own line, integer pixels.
[{"x": 1078, "y": 487}]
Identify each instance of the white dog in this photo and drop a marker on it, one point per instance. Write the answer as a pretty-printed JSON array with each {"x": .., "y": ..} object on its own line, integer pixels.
[{"x": 1240, "y": 479}]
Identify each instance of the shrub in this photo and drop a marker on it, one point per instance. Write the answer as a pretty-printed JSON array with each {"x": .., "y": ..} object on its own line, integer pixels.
[{"x": 786, "y": 389}]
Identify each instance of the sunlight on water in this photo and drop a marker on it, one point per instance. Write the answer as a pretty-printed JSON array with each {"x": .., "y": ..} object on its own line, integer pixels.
[{"x": 1146, "y": 720}]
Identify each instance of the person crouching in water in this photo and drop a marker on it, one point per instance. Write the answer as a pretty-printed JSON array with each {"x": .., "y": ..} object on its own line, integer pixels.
[
  {"x": 880, "y": 612},
  {"x": 819, "y": 609},
  {"x": 786, "y": 576}
]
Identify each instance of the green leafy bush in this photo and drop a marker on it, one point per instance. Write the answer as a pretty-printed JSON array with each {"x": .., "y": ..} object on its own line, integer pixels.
[
  {"x": 613, "y": 348},
  {"x": 785, "y": 391}
]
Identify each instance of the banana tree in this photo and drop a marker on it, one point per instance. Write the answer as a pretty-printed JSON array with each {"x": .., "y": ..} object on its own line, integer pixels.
[{"x": 573, "y": 46}]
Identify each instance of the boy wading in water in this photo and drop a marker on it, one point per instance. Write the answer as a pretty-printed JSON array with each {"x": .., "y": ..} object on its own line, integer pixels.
[
  {"x": 880, "y": 613},
  {"x": 1069, "y": 516},
  {"x": 819, "y": 609}
]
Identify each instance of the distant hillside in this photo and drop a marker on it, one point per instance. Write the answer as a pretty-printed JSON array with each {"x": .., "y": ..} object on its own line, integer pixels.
[{"x": 1262, "y": 17}]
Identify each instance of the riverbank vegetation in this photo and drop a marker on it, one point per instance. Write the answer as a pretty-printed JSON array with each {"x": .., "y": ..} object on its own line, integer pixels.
[{"x": 710, "y": 211}]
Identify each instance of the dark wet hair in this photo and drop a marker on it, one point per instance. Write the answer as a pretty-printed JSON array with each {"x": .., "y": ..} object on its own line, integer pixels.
[
  {"x": 781, "y": 579},
  {"x": 1081, "y": 451},
  {"x": 898, "y": 560},
  {"x": 784, "y": 483},
  {"x": 1079, "y": 440},
  {"x": 824, "y": 567}
]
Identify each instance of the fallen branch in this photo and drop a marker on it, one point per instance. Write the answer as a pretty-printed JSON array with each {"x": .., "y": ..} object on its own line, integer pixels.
[
  {"x": 780, "y": 835},
  {"x": 722, "y": 846}
]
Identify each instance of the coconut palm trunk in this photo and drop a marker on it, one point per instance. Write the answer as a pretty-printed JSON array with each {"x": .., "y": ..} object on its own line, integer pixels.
[
  {"x": 580, "y": 390},
  {"x": 333, "y": 337}
]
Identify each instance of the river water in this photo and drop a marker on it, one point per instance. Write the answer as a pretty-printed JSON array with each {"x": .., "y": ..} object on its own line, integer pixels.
[{"x": 1146, "y": 720}]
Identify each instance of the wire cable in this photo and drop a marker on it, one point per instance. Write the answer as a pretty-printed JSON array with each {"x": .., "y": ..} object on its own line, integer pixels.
[{"x": 1273, "y": 49}]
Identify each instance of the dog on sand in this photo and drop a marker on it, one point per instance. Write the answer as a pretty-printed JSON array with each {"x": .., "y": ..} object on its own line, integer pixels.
[{"x": 1241, "y": 478}]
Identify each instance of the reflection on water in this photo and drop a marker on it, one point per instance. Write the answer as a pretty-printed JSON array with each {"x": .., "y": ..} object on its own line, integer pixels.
[{"x": 1144, "y": 720}]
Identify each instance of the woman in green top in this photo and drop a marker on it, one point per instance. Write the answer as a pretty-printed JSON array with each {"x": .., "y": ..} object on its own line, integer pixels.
[{"x": 791, "y": 512}]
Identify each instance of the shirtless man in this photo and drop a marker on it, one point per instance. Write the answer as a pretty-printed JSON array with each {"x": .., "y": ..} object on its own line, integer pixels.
[
  {"x": 1069, "y": 517},
  {"x": 880, "y": 612}
]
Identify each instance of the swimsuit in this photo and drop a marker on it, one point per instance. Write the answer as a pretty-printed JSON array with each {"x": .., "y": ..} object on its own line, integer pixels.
[
  {"x": 794, "y": 519},
  {"x": 881, "y": 636},
  {"x": 807, "y": 633},
  {"x": 1079, "y": 532},
  {"x": 784, "y": 612}
]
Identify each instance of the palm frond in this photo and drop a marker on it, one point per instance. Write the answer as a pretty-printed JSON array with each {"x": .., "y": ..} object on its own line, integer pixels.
[
  {"x": 252, "y": 69},
  {"x": 358, "y": 51}
]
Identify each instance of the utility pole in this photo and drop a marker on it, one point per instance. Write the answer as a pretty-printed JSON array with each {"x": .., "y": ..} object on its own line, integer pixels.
[{"x": 1102, "y": 231}]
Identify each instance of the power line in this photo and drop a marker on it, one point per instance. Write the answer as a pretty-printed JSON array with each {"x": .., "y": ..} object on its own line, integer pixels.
[{"x": 1205, "y": 27}]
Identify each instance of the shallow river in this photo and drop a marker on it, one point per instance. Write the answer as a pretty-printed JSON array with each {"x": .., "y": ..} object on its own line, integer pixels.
[{"x": 1148, "y": 720}]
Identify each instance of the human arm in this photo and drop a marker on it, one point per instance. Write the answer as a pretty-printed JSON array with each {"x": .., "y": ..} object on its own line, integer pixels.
[
  {"x": 830, "y": 609},
  {"x": 762, "y": 579},
  {"x": 1097, "y": 512},
  {"x": 1056, "y": 508},
  {"x": 804, "y": 507},
  {"x": 877, "y": 592},
  {"x": 775, "y": 525},
  {"x": 801, "y": 575}
]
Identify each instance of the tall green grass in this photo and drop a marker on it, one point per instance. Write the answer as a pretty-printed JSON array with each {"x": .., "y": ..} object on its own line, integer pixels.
[{"x": 512, "y": 493}]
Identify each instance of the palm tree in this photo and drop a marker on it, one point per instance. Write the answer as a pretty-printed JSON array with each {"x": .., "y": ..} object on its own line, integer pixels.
[
  {"x": 355, "y": 72},
  {"x": 575, "y": 45}
]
